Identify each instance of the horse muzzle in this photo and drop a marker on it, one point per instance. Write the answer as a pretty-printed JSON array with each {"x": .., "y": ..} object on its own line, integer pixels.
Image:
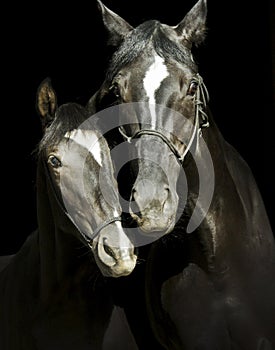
[
  {"x": 150, "y": 223},
  {"x": 153, "y": 207},
  {"x": 115, "y": 262},
  {"x": 114, "y": 253}
]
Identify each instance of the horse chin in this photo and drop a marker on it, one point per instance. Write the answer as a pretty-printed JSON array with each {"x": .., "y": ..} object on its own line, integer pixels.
[
  {"x": 120, "y": 269},
  {"x": 156, "y": 227}
]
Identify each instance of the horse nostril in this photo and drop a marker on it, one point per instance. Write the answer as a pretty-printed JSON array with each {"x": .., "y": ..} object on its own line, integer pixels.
[
  {"x": 134, "y": 191},
  {"x": 167, "y": 191},
  {"x": 108, "y": 250}
]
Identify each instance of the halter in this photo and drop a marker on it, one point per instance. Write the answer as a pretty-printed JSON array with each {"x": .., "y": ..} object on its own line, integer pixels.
[
  {"x": 201, "y": 122},
  {"x": 87, "y": 239}
]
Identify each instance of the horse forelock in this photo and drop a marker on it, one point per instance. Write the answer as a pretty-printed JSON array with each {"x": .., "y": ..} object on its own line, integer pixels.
[
  {"x": 68, "y": 117},
  {"x": 150, "y": 35}
]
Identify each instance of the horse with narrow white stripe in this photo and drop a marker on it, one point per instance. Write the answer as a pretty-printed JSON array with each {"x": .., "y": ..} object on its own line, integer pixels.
[{"x": 210, "y": 283}]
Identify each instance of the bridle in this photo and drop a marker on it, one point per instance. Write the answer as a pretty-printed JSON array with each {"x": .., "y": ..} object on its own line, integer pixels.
[
  {"x": 201, "y": 122},
  {"x": 87, "y": 239}
]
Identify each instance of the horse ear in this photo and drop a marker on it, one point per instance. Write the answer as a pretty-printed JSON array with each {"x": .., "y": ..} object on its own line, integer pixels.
[
  {"x": 192, "y": 28},
  {"x": 46, "y": 102},
  {"x": 116, "y": 26}
]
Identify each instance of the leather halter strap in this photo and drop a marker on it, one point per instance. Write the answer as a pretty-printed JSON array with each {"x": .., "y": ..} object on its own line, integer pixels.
[
  {"x": 201, "y": 122},
  {"x": 96, "y": 232}
]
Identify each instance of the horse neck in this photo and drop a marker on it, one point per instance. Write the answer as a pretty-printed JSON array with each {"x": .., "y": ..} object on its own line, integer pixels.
[
  {"x": 59, "y": 248},
  {"x": 236, "y": 200}
]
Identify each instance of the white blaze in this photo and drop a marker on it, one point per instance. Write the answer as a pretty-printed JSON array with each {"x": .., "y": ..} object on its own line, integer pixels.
[
  {"x": 156, "y": 73},
  {"x": 88, "y": 140},
  {"x": 118, "y": 223}
]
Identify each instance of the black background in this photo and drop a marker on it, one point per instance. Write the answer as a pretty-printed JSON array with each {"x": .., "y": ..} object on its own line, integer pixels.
[{"x": 67, "y": 43}]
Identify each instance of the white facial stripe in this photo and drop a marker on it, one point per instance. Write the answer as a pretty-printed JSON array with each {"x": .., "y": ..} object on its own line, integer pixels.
[
  {"x": 156, "y": 73},
  {"x": 118, "y": 223},
  {"x": 116, "y": 214},
  {"x": 88, "y": 140}
]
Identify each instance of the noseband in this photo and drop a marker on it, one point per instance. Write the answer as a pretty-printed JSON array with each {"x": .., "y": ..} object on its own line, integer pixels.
[
  {"x": 201, "y": 122},
  {"x": 88, "y": 239}
]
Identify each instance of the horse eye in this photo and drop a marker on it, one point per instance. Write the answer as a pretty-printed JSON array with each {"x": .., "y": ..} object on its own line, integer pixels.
[
  {"x": 192, "y": 88},
  {"x": 55, "y": 162},
  {"x": 115, "y": 90}
]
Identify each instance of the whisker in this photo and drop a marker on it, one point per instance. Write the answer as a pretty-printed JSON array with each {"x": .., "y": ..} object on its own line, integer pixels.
[
  {"x": 83, "y": 245},
  {"x": 140, "y": 261}
]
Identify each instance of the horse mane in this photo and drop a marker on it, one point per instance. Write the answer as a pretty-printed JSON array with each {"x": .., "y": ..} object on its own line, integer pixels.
[
  {"x": 67, "y": 118},
  {"x": 149, "y": 32}
]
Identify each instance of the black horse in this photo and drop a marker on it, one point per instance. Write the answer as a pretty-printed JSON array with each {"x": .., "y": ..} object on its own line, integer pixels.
[
  {"x": 53, "y": 294},
  {"x": 210, "y": 281}
]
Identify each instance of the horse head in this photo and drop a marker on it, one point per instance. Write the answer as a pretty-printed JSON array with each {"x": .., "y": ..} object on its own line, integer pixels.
[
  {"x": 79, "y": 175},
  {"x": 153, "y": 70}
]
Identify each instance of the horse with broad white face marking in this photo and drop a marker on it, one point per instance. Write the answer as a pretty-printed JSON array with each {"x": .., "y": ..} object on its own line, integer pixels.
[
  {"x": 52, "y": 292},
  {"x": 210, "y": 281}
]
